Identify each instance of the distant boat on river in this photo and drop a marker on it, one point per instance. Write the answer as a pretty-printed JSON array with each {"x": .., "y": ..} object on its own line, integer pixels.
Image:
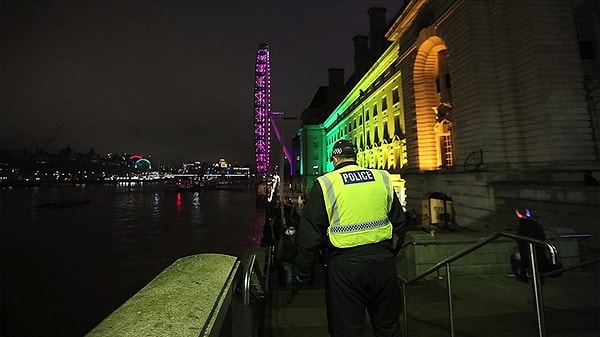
[{"x": 182, "y": 185}]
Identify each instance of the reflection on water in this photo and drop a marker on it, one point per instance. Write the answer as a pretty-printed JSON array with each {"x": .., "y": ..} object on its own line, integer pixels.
[
  {"x": 196, "y": 214},
  {"x": 65, "y": 269},
  {"x": 156, "y": 208}
]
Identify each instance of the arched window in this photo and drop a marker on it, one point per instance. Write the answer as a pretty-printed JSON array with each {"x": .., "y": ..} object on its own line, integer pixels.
[
  {"x": 386, "y": 134},
  {"x": 398, "y": 128},
  {"x": 432, "y": 90}
]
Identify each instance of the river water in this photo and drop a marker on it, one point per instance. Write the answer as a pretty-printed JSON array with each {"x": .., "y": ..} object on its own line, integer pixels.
[{"x": 64, "y": 269}]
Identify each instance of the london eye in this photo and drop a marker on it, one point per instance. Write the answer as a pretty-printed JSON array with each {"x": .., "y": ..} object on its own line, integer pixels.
[{"x": 262, "y": 109}]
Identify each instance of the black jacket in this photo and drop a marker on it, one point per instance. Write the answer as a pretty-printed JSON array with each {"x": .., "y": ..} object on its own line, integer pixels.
[
  {"x": 287, "y": 248},
  {"x": 313, "y": 241}
]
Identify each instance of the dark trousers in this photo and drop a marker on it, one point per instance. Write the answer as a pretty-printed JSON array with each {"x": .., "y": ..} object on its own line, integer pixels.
[
  {"x": 363, "y": 284},
  {"x": 542, "y": 261}
]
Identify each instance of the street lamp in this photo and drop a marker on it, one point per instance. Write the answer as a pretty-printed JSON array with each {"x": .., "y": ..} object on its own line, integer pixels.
[
  {"x": 284, "y": 153},
  {"x": 288, "y": 154}
]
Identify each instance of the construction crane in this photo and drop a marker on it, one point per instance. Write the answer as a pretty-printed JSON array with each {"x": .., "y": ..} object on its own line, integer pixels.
[{"x": 52, "y": 138}]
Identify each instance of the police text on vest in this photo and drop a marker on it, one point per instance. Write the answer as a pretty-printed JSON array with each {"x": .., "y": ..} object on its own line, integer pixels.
[{"x": 353, "y": 177}]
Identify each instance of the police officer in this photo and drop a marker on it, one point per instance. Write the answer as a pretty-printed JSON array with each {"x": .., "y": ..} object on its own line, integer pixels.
[{"x": 351, "y": 216}]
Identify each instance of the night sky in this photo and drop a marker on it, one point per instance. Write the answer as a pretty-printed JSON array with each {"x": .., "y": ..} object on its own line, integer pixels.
[{"x": 173, "y": 79}]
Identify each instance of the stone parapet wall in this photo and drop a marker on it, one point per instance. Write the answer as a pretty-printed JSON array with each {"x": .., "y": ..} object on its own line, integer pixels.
[
  {"x": 189, "y": 298},
  {"x": 486, "y": 201}
]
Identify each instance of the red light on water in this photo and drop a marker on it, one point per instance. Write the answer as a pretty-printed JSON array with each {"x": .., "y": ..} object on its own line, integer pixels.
[{"x": 179, "y": 203}]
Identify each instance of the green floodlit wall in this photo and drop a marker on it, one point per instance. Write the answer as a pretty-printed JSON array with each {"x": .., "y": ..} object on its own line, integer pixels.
[
  {"x": 312, "y": 152},
  {"x": 372, "y": 117}
]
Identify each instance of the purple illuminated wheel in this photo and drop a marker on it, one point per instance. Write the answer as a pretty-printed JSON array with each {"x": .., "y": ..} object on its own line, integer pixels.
[{"x": 262, "y": 109}]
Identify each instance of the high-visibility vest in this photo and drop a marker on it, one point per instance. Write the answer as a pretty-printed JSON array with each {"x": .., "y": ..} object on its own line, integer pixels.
[{"x": 358, "y": 201}]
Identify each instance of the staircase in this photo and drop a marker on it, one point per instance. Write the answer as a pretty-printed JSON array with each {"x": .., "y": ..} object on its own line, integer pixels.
[{"x": 488, "y": 305}]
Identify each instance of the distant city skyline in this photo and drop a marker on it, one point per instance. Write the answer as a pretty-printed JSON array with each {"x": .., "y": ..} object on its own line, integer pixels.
[
  {"x": 172, "y": 79},
  {"x": 19, "y": 154}
]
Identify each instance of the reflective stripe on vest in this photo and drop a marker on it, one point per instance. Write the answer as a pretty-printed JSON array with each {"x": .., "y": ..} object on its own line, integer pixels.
[
  {"x": 359, "y": 227},
  {"x": 375, "y": 229}
]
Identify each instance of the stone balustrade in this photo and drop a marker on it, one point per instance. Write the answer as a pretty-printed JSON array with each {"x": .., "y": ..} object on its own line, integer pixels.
[{"x": 189, "y": 298}]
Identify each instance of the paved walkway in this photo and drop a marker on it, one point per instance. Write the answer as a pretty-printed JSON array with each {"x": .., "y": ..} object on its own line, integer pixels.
[{"x": 483, "y": 305}]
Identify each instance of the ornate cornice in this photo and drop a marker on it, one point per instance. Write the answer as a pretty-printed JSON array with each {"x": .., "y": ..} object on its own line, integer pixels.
[{"x": 405, "y": 19}]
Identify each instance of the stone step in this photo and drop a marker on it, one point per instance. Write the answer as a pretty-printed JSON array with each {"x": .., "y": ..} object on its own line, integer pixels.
[
  {"x": 483, "y": 305},
  {"x": 305, "y": 316}
]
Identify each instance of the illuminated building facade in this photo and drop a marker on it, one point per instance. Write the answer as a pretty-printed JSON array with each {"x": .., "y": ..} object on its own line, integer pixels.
[
  {"x": 492, "y": 103},
  {"x": 366, "y": 110},
  {"x": 497, "y": 115},
  {"x": 371, "y": 117}
]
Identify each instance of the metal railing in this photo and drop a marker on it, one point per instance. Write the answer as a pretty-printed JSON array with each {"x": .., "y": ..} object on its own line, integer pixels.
[
  {"x": 268, "y": 264},
  {"x": 536, "y": 284},
  {"x": 565, "y": 269},
  {"x": 254, "y": 290},
  {"x": 580, "y": 238}
]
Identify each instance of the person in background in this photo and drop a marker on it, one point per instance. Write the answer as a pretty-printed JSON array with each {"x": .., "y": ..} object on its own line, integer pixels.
[
  {"x": 296, "y": 214},
  {"x": 589, "y": 179},
  {"x": 352, "y": 216},
  {"x": 287, "y": 250},
  {"x": 521, "y": 260}
]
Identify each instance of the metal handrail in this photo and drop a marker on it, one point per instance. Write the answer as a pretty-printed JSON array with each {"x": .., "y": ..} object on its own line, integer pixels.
[
  {"x": 576, "y": 266},
  {"x": 268, "y": 264},
  {"x": 578, "y": 237},
  {"x": 575, "y": 236},
  {"x": 537, "y": 289},
  {"x": 250, "y": 268}
]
